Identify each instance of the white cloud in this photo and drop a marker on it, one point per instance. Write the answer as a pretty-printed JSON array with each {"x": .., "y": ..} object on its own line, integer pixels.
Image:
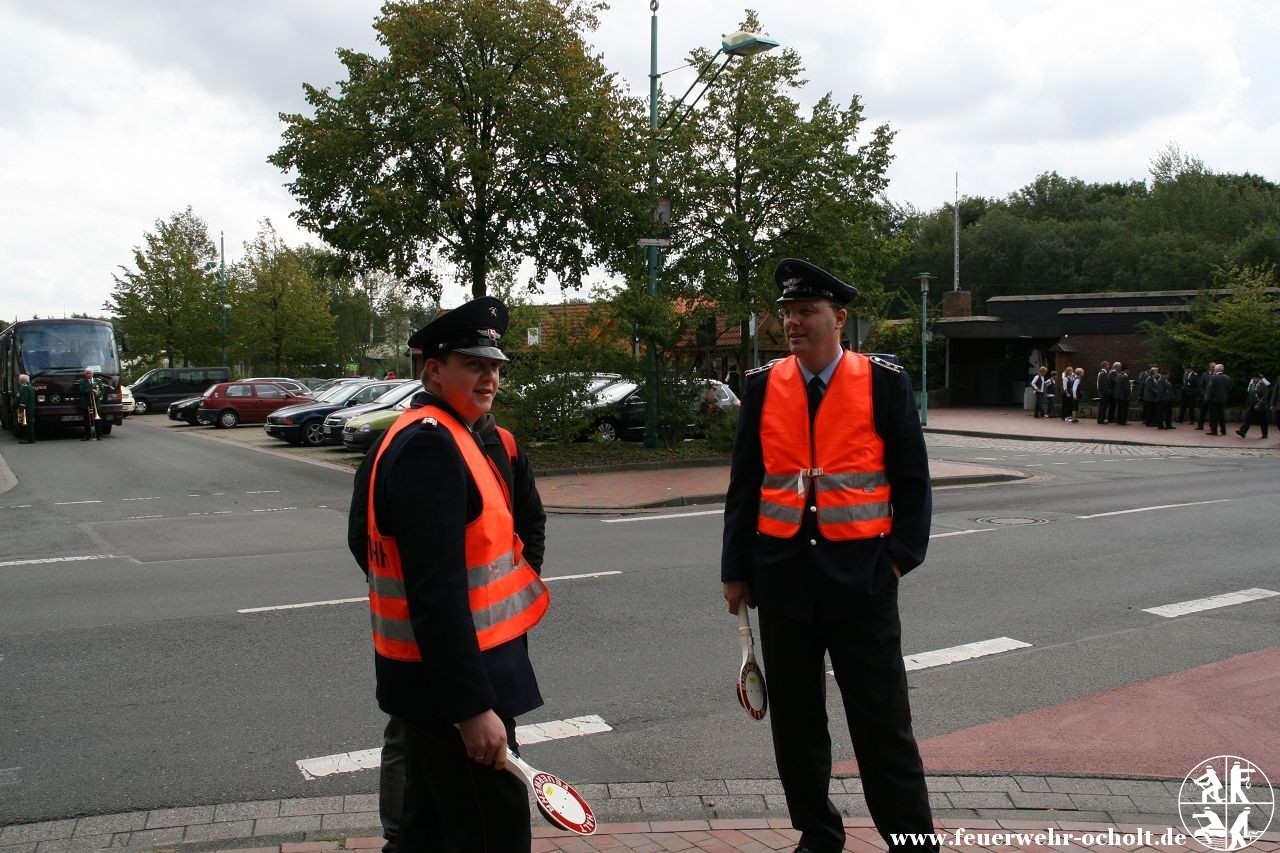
[{"x": 118, "y": 114}]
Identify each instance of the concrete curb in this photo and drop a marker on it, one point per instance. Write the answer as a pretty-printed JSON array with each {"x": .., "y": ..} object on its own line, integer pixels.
[{"x": 969, "y": 800}]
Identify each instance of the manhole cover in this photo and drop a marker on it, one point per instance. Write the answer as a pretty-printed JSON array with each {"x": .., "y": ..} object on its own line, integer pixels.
[{"x": 1013, "y": 519}]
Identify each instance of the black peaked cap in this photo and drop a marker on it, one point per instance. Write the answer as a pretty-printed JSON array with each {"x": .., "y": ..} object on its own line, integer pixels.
[
  {"x": 475, "y": 328},
  {"x": 799, "y": 280}
]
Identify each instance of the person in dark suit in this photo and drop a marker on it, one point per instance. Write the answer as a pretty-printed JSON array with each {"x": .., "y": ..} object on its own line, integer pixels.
[
  {"x": 1216, "y": 399},
  {"x": 829, "y": 505},
  {"x": 1204, "y": 394},
  {"x": 1190, "y": 395},
  {"x": 1256, "y": 397},
  {"x": 1120, "y": 393},
  {"x": 1102, "y": 387},
  {"x": 451, "y": 656}
]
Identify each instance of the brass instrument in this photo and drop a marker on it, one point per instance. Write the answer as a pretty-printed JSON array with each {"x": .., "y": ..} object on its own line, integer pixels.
[
  {"x": 93, "y": 402},
  {"x": 22, "y": 416}
]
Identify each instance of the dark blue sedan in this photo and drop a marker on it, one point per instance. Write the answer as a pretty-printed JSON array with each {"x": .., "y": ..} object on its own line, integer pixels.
[{"x": 304, "y": 422}]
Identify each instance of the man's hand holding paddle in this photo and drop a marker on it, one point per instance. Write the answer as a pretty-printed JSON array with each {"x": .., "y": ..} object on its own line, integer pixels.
[
  {"x": 485, "y": 738},
  {"x": 738, "y": 591}
]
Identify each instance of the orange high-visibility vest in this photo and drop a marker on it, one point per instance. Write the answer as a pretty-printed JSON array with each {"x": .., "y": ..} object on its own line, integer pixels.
[
  {"x": 507, "y": 597},
  {"x": 842, "y": 457}
]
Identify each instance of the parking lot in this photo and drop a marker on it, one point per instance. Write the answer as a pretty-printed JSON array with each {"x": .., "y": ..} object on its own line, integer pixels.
[{"x": 250, "y": 435}]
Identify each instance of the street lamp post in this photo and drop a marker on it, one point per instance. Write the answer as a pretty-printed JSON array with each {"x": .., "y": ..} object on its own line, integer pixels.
[
  {"x": 740, "y": 43},
  {"x": 222, "y": 291},
  {"x": 924, "y": 348}
]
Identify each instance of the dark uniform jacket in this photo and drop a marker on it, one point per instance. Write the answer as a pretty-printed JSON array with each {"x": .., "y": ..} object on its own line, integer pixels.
[
  {"x": 821, "y": 580},
  {"x": 1190, "y": 385},
  {"x": 425, "y": 496},
  {"x": 1102, "y": 385},
  {"x": 1219, "y": 388},
  {"x": 27, "y": 398},
  {"x": 84, "y": 390}
]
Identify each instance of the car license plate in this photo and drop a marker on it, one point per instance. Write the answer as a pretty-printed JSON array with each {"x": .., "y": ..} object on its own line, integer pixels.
[
  {"x": 68, "y": 418},
  {"x": 271, "y": 430}
]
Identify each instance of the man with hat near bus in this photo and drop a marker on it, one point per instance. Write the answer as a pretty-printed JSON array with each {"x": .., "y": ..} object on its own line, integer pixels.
[
  {"x": 89, "y": 391},
  {"x": 829, "y": 505},
  {"x": 26, "y": 409},
  {"x": 451, "y": 597}
]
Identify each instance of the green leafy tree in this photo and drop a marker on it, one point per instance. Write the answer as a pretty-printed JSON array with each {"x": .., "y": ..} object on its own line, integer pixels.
[
  {"x": 1241, "y": 330},
  {"x": 281, "y": 320},
  {"x": 169, "y": 304},
  {"x": 489, "y": 133},
  {"x": 751, "y": 180}
]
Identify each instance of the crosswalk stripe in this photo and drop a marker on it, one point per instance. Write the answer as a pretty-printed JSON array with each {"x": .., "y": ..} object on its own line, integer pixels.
[
  {"x": 1213, "y": 602},
  {"x": 370, "y": 759}
]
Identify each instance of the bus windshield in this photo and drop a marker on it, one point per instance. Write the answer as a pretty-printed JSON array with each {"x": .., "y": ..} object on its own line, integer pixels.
[{"x": 53, "y": 347}]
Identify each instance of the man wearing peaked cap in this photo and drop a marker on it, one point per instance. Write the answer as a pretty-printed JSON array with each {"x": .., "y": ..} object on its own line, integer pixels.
[
  {"x": 800, "y": 280},
  {"x": 453, "y": 592},
  {"x": 475, "y": 328},
  {"x": 829, "y": 505}
]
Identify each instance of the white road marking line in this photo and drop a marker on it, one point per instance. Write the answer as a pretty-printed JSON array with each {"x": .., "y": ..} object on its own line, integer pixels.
[
  {"x": 137, "y": 517},
  {"x": 58, "y": 560},
  {"x": 73, "y": 503},
  {"x": 1090, "y": 462},
  {"x": 579, "y": 577},
  {"x": 141, "y": 499},
  {"x": 303, "y": 604},
  {"x": 219, "y": 512},
  {"x": 193, "y": 496},
  {"x": 961, "y": 532},
  {"x": 275, "y": 509},
  {"x": 370, "y": 759},
  {"x": 958, "y": 654},
  {"x": 18, "y": 506},
  {"x": 1059, "y": 463},
  {"x": 1177, "y": 457},
  {"x": 1213, "y": 602},
  {"x": 968, "y": 651},
  {"x": 1034, "y": 465},
  {"x": 657, "y": 517},
  {"x": 986, "y": 459},
  {"x": 265, "y": 492},
  {"x": 1150, "y": 508}
]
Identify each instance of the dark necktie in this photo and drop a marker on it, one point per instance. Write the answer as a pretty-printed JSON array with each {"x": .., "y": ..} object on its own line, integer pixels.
[{"x": 816, "y": 387}]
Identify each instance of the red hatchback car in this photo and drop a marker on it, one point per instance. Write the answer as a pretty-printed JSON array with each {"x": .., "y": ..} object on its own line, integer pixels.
[{"x": 229, "y": 403}]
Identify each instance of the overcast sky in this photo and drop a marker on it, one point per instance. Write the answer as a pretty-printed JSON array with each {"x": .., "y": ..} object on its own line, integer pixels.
[{"x": 116, "y": 114}]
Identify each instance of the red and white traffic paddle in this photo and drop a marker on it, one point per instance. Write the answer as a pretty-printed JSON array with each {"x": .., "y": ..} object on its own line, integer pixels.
[
  {"x": 752, "y": 693},
  {"x": 559, "y": 803}
]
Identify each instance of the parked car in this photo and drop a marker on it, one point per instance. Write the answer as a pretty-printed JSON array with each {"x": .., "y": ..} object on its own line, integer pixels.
[
  {"x": 156, "y": 389},
  {"x": 305, "y": 421},
  {"x": 185, "y": 410},
  {"x": 619, "y": 410},
  {"x": 229, "y": 403},
  {"x": 284, "y": 382},
  {"x": 126, "y": 401},
  {"x": 334, "y": 422},
  {"x": 359, "y": 433}
]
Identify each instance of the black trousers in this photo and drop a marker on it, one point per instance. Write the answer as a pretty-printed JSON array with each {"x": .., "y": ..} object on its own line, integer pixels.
[
  {"x": 1254, "y": 416},
  {"x": 1104, "y": 409},
  {"x": 1187, "y": 410},
  {"x": 1217, "y": 417},
  {"x": 391, "y": 782},
  {"x": 866, "y": 654},
  {"x": 28, "y": 431},
  {"x": 1204, "y": 413},
  {"x": 1164, "y": 414},
  {"x": 454, "y": 805},
  {"x": 1121, "y": 415}
]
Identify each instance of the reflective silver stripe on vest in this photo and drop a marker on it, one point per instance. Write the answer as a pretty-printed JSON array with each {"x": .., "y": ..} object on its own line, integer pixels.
[
  {"x": 386, "y": 587},
  {"x": 868, "y": 480},
  {"x": 780, "y": 512},
  {"x": 392, "y": 629},
  {"x": 483, "y": 575},
  {"x": 511, "y": 606},
  {"x": 779, "y": 481},
  {"x": 852, "y": 512}
]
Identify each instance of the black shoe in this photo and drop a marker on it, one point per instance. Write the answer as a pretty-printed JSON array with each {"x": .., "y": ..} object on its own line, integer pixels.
[{"x": 86, "y": 438}]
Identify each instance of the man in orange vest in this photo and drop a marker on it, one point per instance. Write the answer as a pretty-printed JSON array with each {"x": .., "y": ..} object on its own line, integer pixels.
[
  {"x": 452, "y": 597},
  {"x": 829, "y": 505}
]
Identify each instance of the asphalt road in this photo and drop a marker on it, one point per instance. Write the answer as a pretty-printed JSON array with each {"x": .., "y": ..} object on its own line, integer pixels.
[{"x": 133, "y": 680}]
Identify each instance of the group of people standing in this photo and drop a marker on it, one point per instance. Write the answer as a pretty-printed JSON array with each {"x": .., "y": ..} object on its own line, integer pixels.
[
  {"x": 446, "y": 522},
  {"x": 89, "y": 391},
  {"x": 1048, "y": 387},
  {"x": 1154, "y": 391}
]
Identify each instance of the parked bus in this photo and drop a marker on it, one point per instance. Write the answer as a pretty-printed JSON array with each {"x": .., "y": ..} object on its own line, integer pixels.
[{"x": 54, "y": 354}]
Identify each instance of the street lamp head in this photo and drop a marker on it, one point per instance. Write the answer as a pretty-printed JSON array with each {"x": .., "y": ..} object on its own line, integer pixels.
[
  {"x": 211, "y": 265},
  {"x": 743, "y": 43}
]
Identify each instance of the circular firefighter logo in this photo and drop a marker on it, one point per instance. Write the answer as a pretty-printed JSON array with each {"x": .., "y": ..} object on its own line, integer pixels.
[{"x": 1226, "y": 802}]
